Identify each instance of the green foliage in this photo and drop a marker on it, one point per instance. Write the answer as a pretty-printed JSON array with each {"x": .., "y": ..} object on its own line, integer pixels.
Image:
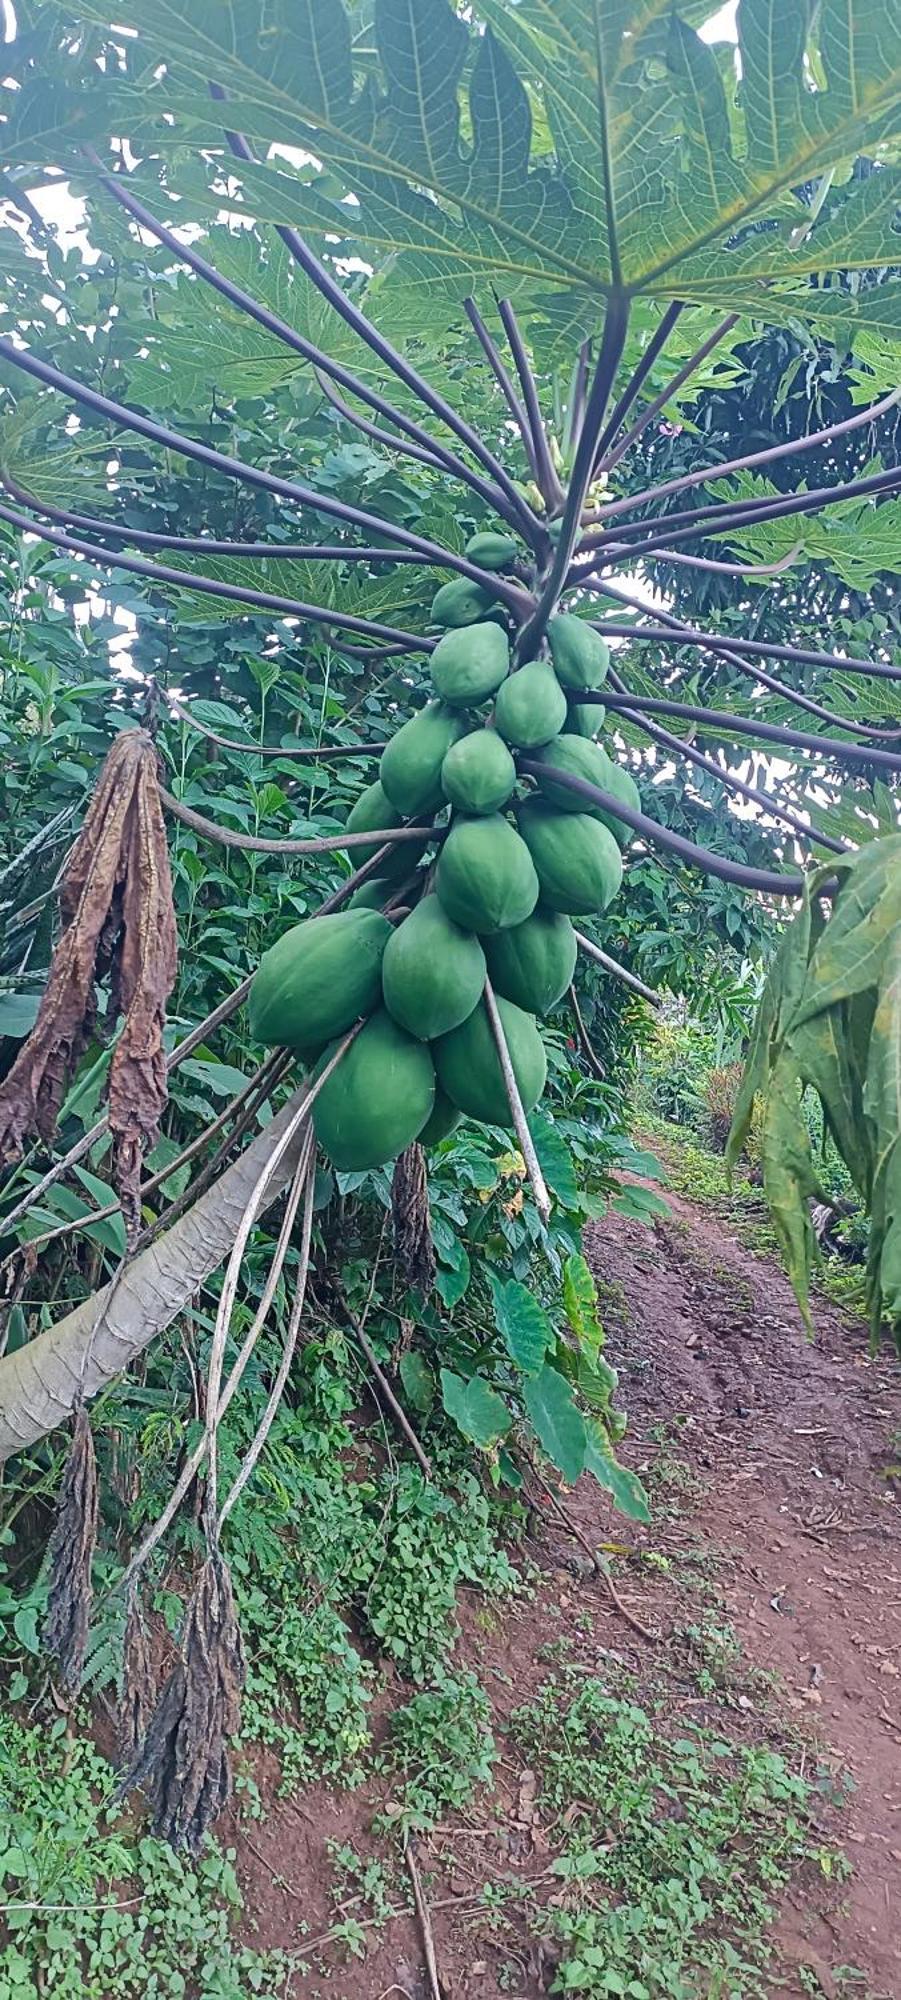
[
  {"x": 442, "y": 1749},
  {"x": 94, "y": 1910},
  {"x": 674, "y": 1848}
]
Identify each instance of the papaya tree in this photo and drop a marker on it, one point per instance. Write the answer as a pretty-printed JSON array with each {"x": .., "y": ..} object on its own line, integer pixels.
[{"x": 500, "y": 244}]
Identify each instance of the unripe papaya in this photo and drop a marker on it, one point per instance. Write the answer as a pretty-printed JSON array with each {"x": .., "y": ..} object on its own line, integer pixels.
[
  {"x": 410, "y": 770},
  {"x": 377, "y": 1099},
  {"x": 468, "y": 665},
  {"x": 581, "y": 657},
  {"x": 530, "y": 706},
  {"x": 469, "y": 1069},
  {"x": 478, "y": 774},
  {"x": 318, "y": 979},
  {"x": 442, "y": 1121},
  {"x": 577, "y": 861},
  {"x": 461, "y": 602},
  {"x": 623, "y": 786},
  {"x": 584, "y": 718},
  {"x": 374, "y": 809},
  {"x": 576, "y": 757},
  {"x": 492, "y": 550},
  {"x": 533, "y": 963},
  {"x": 432, "y": 972},
  {"x": 485, "y": 877},
  {"x": 372, "y": 895}
]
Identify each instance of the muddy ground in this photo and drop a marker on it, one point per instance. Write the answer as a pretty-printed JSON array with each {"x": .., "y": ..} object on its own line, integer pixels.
[{"x": 773, "y": 1464}]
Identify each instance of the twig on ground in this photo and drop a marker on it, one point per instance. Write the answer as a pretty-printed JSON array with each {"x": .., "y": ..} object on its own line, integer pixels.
[
  {"x": 425, "y": 1921},
  {"x": 600, "y": 1567},
  {"x": 385, "y": 1390}
]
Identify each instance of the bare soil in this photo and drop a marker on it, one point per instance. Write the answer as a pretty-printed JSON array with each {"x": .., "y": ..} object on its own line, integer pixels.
[{"x": 773, "y": 1462}]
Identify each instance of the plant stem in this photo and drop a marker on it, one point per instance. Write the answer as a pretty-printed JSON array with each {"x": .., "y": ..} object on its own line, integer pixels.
[
  {"x": 740, "y": 725},
  {"x": 545, "y": 474},
  {"x": 502, "y": 377},
  {"x": 612, "y": 965},
  {"x": 672, "y": 388},
  {"x": 331, "y": 751},
  {"x": 763, "y": 879},
  {"x": 657, "y": 341},
  {"x": 329, "y": 843},
  {"x": 374, "y": 431},
  {"x": 691, "y": 635},
  {"x": 517, "y": 1108},
  {"x": 253, "y": 475},
  {"x": 723, "y": 515}
]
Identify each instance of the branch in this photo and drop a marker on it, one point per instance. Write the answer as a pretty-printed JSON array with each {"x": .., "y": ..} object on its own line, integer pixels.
[
  {"x": 502, "y": 377},
  {"x": 740, "y": 725},
  {"x": 691, "y": 635},
  {"x": 253, "y": 475},
  {"x": 734, "y": 784},
  {"x": 585, "y": 1042},
  {"x": 513, "y": 508},
  {"x": 385, "y": 1390},
  {"x": 719, "y": 517},
  {"x": 249, "y": 843},
  {"x": 617, "y": 971},
  {"x": 41, "y": 1382},
  {"x": 615, "y": 328},
  {"x": 662, "y": 836},
  {"x": 520, "y": 1121},
  {"x": 751, "y": 459},
  {"x": 575, "y": 415},
  {"x": 714, "y": 568},
  {"x": 545, "y": 471},
  {"x": 672, "y": 388},
  {"x": 209, "y": 586},
  {"x": 431, "y": 447},
  {"x": 330, "y": 751},
  {"x": 657, "y": 341},
  {"x": 722, "y": 649},
  {"x": 374, "y": 431}
]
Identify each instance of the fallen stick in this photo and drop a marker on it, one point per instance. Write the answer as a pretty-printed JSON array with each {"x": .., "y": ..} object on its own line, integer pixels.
[{"x": 425, "y": 1921}]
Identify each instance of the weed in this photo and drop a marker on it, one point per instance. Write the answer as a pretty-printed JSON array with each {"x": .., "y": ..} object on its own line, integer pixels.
[
  {"x": 441, "y": 1747},
  {"x": 93, "y": 1912},
  {"x": 671, "y": 1861}
]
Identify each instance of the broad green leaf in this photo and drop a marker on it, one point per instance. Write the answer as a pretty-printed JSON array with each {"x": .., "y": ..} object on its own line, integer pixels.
[
  {"x": 849, "y": 954},
  {"x": 882, "y": 1104},
  {"x": 476, "y": 1409},
  {"x": 559, "y": 1426},
  {"x": 624, "y": 1486},
  {"x": 576, "y": 148},
  {"x": 554, "y": 1159},
  {"x": 522, "y": 1322},
  {"x": 580, "y": 1304},
  {"x": 788, "y": 1176},
  {"x": 418, "y": 1381},
  {"x": 821, "y": 1049},
  {"x": 778, "y": 1001}
]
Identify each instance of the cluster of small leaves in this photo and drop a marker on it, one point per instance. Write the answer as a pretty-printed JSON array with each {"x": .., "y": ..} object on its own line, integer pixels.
[{"x": 441, "y": 1750}]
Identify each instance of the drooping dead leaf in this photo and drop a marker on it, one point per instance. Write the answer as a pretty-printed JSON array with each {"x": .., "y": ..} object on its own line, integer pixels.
[
  {"x": 413, "y": 1245},
  {"x": 118, "y": 921},
  {"x": 70, "y": 1556},
  {"x": 182, "y": 1763},
  {"x": 138, "y": 1686}
]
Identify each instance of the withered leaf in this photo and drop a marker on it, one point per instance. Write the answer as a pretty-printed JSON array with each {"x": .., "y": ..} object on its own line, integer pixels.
[{"x": 118, "y": 921}]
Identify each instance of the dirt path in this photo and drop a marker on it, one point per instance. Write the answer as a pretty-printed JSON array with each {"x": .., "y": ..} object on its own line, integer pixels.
[
  {"x": 794, "y": 1443},
  {"x": 771, "y": 1460}
]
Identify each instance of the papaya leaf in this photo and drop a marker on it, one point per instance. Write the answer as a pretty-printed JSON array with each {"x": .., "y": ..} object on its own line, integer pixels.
[
  {"x": 624, "y": 1486},
  {"x": 777, "y": 1002},
  {"x": 823, "y": 1055},
  {"x": 848, "y": 956},
  {"x": 559, "y": 1426},
  {"x": 788, "y": 1176},
  {"x": 522, "y": 1322},
  {"x": 555, "y": 149},
  {"x": 882, "y": 1104},
  {"x": 476, "y": 1409}
]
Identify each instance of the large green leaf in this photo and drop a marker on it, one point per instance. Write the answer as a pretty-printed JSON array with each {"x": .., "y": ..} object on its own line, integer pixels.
[
  {"x": 789, "y": 1179},
  {"x": 848, "y": 956},
  {"x": 645, "y": 165},
  {"x": 522, "y": 1322},
  {"x": 624, "y": 1486},
  {"x": 476, "y": 1409},
  {"x": 559, "y": 1426}
]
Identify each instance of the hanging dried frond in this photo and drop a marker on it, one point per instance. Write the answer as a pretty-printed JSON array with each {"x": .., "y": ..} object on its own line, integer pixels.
[
  {"x": 138, "y": 1685},
  {"x": 413, "y": 1246},
  {"x": 70, "y": 1555},
  {"x": 182, "y": 1762},
  {"x": 118, "y": 920}
]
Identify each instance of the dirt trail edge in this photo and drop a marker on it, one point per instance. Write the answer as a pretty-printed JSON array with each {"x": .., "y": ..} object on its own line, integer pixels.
[{"x": 797, "y": 1446}]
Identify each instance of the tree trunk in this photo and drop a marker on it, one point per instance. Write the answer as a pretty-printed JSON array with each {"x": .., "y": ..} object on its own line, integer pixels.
[{"x": 41, "y": 1382}]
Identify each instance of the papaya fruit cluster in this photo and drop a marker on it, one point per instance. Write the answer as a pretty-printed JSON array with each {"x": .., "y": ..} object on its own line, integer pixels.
[{"x": 517, "y": 863}]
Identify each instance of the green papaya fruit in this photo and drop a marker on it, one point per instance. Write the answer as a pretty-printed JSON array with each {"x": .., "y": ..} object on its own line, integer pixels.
[
  {"x": 577, "y": 861},
  {"x": 478, "y": 774},
  {"x": 410, "y": 770},
  {"x": 318, "y": 979},
  {"x": 533, "y": 963},
  {"x": 468, "y": 665},
  {"x": 442, "y": 1121},
  {"x": 623, "y": 786},
  {"x": 485, "y": 877},
  {"x": 530, "y": 707},
  {"x": 576, "y": 757},
  {"x": 461, "y": 602},
  {"x": 492, "y": 550},
  {"x": 377, "y": 1099},
  {"x": 373, "y": 809},
  {"x": 469, "y": 1070},
  {"x": 432, "y": 972},
  {"x": 581, "y": 657},
  {"x": 584, "y": 718},
  {"x": 373, "y": 894}
]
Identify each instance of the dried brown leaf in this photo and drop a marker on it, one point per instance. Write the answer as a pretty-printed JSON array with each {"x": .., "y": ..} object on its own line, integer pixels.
[
  {"x": 70, "y": 1556},
  {"x": 118, "y": 921},
  {"x": 413, "y": 1246}
]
